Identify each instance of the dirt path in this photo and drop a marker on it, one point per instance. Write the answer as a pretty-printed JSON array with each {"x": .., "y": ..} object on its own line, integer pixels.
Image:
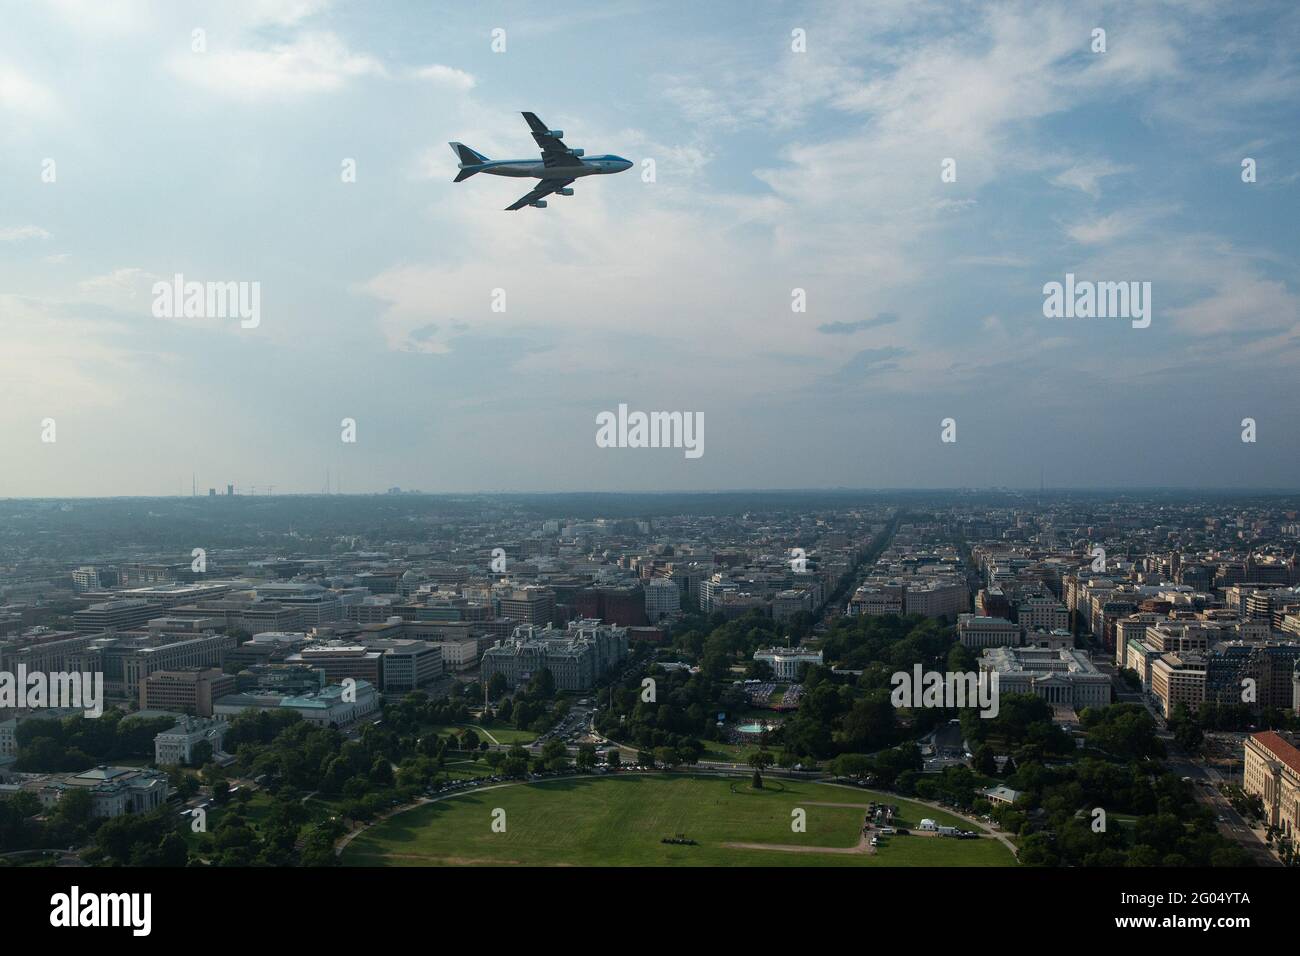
[
  {"x": 447, "y": 860},
  {"x": 864, "y": 844}
]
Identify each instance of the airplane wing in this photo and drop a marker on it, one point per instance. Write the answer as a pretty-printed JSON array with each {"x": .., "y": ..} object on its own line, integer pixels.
[
  {"x": 554, "y": 152},
  {"x": 544, "y": 188}
]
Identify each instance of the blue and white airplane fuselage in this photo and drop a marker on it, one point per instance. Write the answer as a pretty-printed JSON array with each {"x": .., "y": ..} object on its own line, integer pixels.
[
  {"x": 557, "y": 169},
  {"x": 595, "y": 166}
]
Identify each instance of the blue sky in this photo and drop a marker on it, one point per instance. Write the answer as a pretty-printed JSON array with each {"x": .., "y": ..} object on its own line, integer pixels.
[{"x": 774, "y": 169}]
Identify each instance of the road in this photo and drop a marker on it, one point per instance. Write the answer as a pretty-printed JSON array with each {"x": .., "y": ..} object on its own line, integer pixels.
[{"x": 1206, "y": 784}]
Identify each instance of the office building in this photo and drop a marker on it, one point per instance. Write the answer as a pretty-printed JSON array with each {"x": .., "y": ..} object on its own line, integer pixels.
[
  {"x": 191, "y": 691},
  {"x": 663, "y": 598},
  {"x": 1272, "y": 772},
  {"x": 576, "y": 656},
  {"x": 119, "y": 615},
  {"x": 332, "y": 706},
  {"x": 1065, "y": 676},
  {"x": 977, "y": 632}
]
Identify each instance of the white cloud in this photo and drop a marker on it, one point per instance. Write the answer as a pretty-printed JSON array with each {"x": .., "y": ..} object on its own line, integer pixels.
[
  {"x": 1087, "y": 176},
  {"x": 20, "y": 93},
  {"x": 1115, "y": 225},
  {"x": 447, "y": 76},
  {"x": 1240, "y": 302},
  {"x": 126, "y": 290},
  {"x": 310, "y": 63},
  {"x": 19, "y": 233}
]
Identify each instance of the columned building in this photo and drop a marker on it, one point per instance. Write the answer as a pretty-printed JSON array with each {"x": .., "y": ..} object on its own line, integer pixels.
[{"x": 1272, "y": 773}]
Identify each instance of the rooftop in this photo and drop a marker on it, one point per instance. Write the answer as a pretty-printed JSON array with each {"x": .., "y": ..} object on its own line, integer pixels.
[{"x": 1279, "y": 747}]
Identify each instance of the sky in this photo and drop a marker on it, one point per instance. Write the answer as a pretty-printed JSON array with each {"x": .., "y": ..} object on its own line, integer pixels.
[{"x": 781, "y": 160}]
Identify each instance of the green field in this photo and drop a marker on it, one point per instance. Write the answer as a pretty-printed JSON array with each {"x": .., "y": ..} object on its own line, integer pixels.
[
  {"x": 502, "y": 732},
  {"x": 620, "y": 820},
  {"x": 719, "y": 752}
]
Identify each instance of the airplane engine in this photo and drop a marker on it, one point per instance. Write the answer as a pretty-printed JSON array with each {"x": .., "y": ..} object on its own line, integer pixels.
[
  {"x": 557, "y": 133},
  {"x": 539, "y": 203},
  {"x": 564, "y": 192},
  {"x": 577, "y": 152}
]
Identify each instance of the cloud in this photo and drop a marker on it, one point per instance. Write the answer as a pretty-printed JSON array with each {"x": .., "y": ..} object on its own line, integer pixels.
[
  {"x": 310, "y": 63},
  {"x": 868, "y": 361},
  {"x": 447, "y": 76},
  {"x": 1087, "y": 176},
  {"x": 848, "y": 328},
  {"x": 1115, "y": 225},
  {"x": 1240, "y": 303},
  {"x": 22, "y": 94},
  {"x": 127, "y": 290},
  {"x": 19, "y": 233}
]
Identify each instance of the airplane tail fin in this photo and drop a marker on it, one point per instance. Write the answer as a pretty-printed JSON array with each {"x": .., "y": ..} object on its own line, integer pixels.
[{"x": 469, "y": 160}]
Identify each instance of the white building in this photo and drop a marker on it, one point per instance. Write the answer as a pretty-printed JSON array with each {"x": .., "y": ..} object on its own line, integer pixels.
[
  {"x": 176, "y": 746},
  {"x": 663, "y": 598},
  {"x": 713, "y": 587},
  {"x": 1001, "y": 794},
  {"x": 329, "y": 707},
  {"x": 86, "y": 579},
  {"x": 1065, "y": 676},
  {"x": 786, "y": 661},
  {"x": 113, "y": 790}
]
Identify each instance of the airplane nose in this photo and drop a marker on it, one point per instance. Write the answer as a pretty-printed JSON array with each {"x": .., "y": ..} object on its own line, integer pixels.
[{"x": 627, "y": 164}]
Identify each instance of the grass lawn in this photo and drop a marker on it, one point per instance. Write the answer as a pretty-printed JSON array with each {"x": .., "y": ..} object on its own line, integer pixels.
[
  {"x": 465, "y": 769},
  {"x": 503, "y": 732},
  {"x": 719, "y": 752},
  {"x": 620, "y": 820}
]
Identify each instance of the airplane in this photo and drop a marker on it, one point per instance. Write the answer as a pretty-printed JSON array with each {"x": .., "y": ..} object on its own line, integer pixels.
[{"x": 557, "y": 169}]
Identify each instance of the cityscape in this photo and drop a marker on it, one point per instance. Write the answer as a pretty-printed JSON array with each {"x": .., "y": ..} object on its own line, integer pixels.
[{"x": 357, "y": 680}]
